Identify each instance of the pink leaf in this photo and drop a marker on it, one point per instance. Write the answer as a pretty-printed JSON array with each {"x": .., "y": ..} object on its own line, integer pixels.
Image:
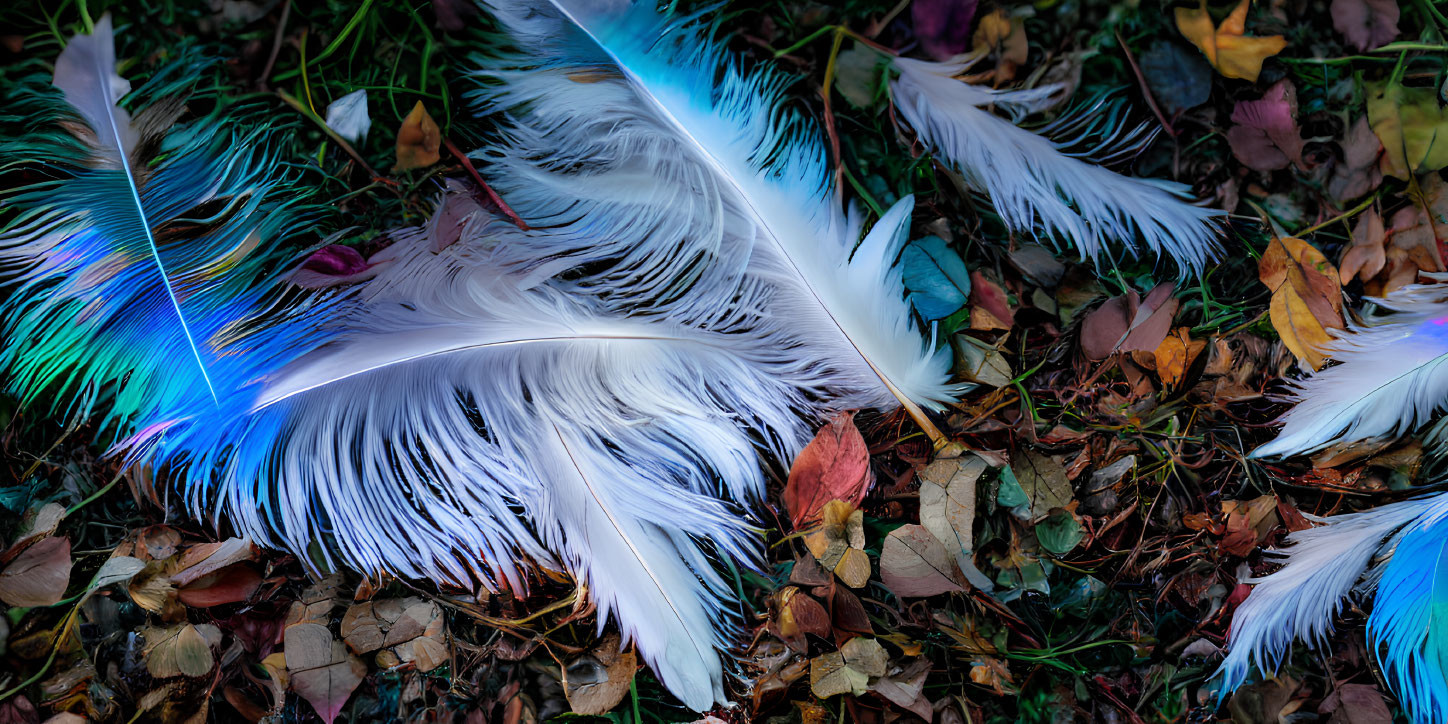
[
  {"x": 1367, "y": 24},
  {"x": 833, "y": 466},
  {"x": 1266, "y": 137},
  {"x": 943, "y": 26},
  {"x": 38, "y": 576},
  {"x": 333, "y": 265}
]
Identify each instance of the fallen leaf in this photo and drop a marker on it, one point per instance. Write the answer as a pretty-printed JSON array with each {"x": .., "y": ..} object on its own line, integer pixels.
[
  {"x": 596, "y": 681},
  {"x": 1358, "y": 172},
  {"x": 321, "y": 669},
  {"x": 411, "y": 627},
  {"x": 37, "y": 524},
  {"x": 989, "y": 307},
  {"x": 988, "y": 671},
  {"x": 1412, "y": 126},
  {"x": 798, "y": 614},
  {"x": 849, "y": 670},
  {"x": 943, "y": 26},
  {"x": 860, "y": 76},
  {"x": 1003, "y": 37},
  {"x": 905, "y": 688},
  {"x": 1059, "y": 533},
  {"x": 183, "y": 650},
  {"x": 348, "y": 116},
  {"x": 1042, "y": 483},
  {"x": 38, "y": 576},
  {"x": 1306, "y": 297},
  {"x": 947, "y": 500},
  {"x": 835, "y": 465},
  {"x": 839, "y": 543},
  {"x": 1366, "y": 24},
  {"x": 1178, "y": 78},
  {"x": 203, "y": 560},
  {"x": 233, "y": 584},
  {"x": 1129, "y": 323},
  {"x": 935, "y": 276},
  {"x": 1233, "y": 53},
  {"x": 1367, "y": 255},
  {"x": 981, "y": 362},
  {"x": 1247, "y": 524},
  {"x": 1175, "y": 355},
  {"x": 914, "y": 564},
  {"x": 1265, "y": 135},
  {"x": 418, "y": 140},
  {"x": 1355, "y": 704}
]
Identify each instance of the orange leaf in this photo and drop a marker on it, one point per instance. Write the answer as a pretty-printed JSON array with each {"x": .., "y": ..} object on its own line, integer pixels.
[
  {"x": 1175, "y": 355},
  {"x": 833, "y": 466},
  {"x": 1233, "y": 53},
  {"x": 417, "y": 140}
]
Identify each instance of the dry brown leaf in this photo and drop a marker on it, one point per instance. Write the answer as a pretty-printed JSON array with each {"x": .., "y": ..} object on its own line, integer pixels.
[
  {"x": 849, "y": 670},
  {"x": 913, "y": 564},
  {"x": 412, "y": 627},
  {"x": 1358, "y": 172},
  {"x": 598, "y": 680},
  {"x": 208, "y": 558},
  {"x": 38, "y": 576},
  {"x": 947, "y": 500},
  {"x": 1129, "y": 323},
  {"x": 838, "y": 542},
  {"x": 321, "y": 669},
  {"x": 182, "y": 650},
  {"x": 1306, "y": 297},
  {"x": 1004, "y": 37},
  {"x": 418, "y": 140},
  {"x": 797, "y": 614},
  {"x": 1233, "y": 53},
  {"x": 988, "y": 671},
  {"x": 990, "y": 308},
  {"x": 1366, "y": 256}
]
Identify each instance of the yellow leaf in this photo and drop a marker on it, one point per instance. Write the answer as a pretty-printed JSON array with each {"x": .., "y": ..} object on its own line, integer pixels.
[
  {"x": 417, "y": 140},
  {"x": 1233, "y": 53},
  {"x": 1412, "y": 127},
  {"x": 1306, "y": 297}
]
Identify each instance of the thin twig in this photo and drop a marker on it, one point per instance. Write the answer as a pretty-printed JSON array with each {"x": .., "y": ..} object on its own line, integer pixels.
[
  {"x": 478, "y": 179},
  {"x": 276, "y": 48}
]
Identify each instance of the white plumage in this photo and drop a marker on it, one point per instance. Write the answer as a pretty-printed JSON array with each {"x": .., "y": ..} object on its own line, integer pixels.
[
  {"x": 1029, "y": 180},
  {"x": 1390, "y": 379}
]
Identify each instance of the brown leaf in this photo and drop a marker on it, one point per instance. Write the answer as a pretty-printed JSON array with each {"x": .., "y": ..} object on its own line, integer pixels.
[
  {"x": 905, "y": 688},
  {"x": 412, "y": 627},
  {"x": 418, "y": 140},
  {"x": 849, "y": 670},
  {"x": 597, "y": 681},
  {"x": 1358, "y": 172},
  {"x": 1367, "y": 255},
  {"x": 37, "y": 524},
  {"x": 835, "y": 465},
  {"x": 913, "y": 564},
  {"x": 38, "y": 576},
  {"x": 232, "y": 584},
  {"x": 838, "y": 543},
  {"x": 798, "y": 614},
  {"x": 990, "y": 672},
  {"x": 1265, "y": 136},
  {"x": 203, "y": 560},
  {"x": 1004, "y": 37},
  {"x": 321, "y": 669},
  {"x": 1356, "y": 704},
  {"x": 947, "y": 500},
  {"x": 1227, "y": 47},
  {"x": 1306, "y": 297},
  {"x": 1367, "y": 24},
  {"x": 1128, "y": 323}
]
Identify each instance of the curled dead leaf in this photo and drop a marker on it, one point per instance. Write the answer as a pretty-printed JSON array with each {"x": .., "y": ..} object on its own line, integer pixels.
[{"x": 418, "y": 140}]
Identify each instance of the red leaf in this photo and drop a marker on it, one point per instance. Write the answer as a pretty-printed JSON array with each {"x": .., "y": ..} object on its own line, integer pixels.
[
  {"x": 835, "y": 465},
  {"x": 232, "y": 584},
  {"x": 987, "y": 296},
  {"x": 943, "y": 26}
]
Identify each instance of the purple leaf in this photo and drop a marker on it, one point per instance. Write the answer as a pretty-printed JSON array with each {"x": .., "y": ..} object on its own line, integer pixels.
[
  {"x": 1266, "y": 137},
  {"x": 332, "y": 266},
  {"x": 943, "y": 26}
]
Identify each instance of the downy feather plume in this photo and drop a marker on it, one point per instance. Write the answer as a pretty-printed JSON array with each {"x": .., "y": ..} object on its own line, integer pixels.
[
  {"x": 1030, "y": 180},
  {"x": 445, "y": 423},
  {"x": 1396, "y": 549},
  {"x": 1392, "y": 376},
  {"x": 118, "y": 274},
  {"x": 664, "y": 171}
]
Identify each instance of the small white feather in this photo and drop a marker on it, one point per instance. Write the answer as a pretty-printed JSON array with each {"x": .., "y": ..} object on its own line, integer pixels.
[
  {"x": 86, "y": 73},
  {"x": 1392, "y": 377},
  {"x": 1030, "y": 181}
]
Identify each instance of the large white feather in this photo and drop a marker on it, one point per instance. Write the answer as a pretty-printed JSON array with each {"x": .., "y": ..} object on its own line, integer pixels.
[
  {"x": 1030, "y": 181},
  {"x": 448, "y": 424},
  {"x": 1390, "y": 379},
  {"x": 1320, "y": 568},
  {"x": 665, "y": 172}
]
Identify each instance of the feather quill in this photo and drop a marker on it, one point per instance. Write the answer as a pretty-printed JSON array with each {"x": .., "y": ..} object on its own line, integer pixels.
[
  {"x": 127, "y": 267},
  {"x": 445, "y": 423},
  {"x": 1029, "y": 180},
  {"x": 1396, "y": 549},
  {"x": 1392, "y": 376},
  {"x": 665, "y": 171}
]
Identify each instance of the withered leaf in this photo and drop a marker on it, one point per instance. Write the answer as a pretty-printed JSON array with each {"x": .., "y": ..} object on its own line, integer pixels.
[
  {"x": 835, "y": 465},
  {"x": 597, "y": 681},
  {"x": 914, "y": 564},
  {"x": 418, "y": 140},
  {"x": 38, "y": 576}
]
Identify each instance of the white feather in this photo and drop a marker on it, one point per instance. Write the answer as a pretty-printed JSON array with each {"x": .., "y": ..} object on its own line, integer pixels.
[
  {"x": 1029, "y": 180},
  {"x": 451, "y": 425},
  {"x": 669, "y": 174},
  {"x": 1320, "y": 568},
  {"x": 1391, "y": 378}
]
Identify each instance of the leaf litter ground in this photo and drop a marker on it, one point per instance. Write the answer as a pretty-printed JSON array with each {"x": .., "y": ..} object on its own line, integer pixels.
[{"x": 1074, "y": 555}]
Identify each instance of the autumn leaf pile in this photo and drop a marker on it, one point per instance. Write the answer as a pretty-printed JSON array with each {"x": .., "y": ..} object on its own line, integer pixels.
[{"x": 1074, "y": 553}]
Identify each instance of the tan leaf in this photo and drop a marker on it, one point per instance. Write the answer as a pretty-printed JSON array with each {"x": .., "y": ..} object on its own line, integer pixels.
[
  {"x": 597, "y": 681},
  {"x": 38, "y": 576},
  {"x": 1413, "y": 127},
  {"x": 1227, "y": 47},
  {"x": 183, "y": 650},
  {"x": 1175, "y": 355},
  {"x": 1004, "y": 37},
  {"x": 205, "y": 559},
  {"x": 849, "y": 670},
  {"x": 418, "y": 140},
  {"x": 1367, "y": 255},
  {"x": 947, "y": 500}
]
